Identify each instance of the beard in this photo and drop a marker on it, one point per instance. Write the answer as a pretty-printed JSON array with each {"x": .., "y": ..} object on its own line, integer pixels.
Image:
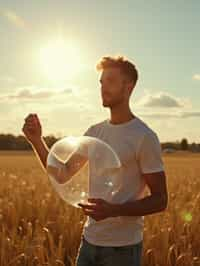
[{"x": 109, "y": 101}]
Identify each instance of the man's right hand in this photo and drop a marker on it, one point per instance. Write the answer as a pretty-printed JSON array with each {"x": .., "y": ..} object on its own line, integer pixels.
[{"x": 32, "y": 128}]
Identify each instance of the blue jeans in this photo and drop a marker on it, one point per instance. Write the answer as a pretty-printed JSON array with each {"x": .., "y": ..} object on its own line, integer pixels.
[{"x": 92, "y": 255}]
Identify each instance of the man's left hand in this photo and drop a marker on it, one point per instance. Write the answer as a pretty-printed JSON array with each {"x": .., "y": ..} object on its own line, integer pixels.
[{"x": 99, "y": 209}]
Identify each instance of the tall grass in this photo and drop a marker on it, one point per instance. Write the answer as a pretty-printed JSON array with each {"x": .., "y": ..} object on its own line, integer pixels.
[{"x": 39, "y": 228}]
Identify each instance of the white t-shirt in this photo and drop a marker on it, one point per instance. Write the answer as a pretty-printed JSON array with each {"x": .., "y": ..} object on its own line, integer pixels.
[{"x": 139, "y": 151}]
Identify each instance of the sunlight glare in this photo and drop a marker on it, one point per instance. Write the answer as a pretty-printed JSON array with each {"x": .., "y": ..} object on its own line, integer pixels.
[{"x": 60, "y": 60}]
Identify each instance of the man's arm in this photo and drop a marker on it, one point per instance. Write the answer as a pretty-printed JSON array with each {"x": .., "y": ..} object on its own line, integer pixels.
[
  {"x": 100, "y": 209},
  {"x": 33, "y": 131},
  {"x": 41, "y": 150},
  {"x": 156, "y": 202},
  {"x": 149, "y": 158},
  {"x": 63, "y": 172},
  {"x": 151, "y": 164}
]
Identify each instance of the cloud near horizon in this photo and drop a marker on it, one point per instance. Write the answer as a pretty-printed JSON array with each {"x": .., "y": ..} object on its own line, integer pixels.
[
  {"x": 161, "y": 115},
  {"x": 161, "y": 100},
  {"x": 31, "y": 93}
]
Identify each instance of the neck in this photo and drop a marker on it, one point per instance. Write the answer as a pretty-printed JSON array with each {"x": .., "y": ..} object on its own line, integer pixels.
[{"x": 121, "y": 114}]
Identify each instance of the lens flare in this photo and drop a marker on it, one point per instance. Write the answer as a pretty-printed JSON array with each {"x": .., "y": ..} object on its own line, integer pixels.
[{"x": 187, "y": 216}]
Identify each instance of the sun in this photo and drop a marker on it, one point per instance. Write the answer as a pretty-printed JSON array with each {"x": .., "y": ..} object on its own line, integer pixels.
[{"x": 60, "y": 60}]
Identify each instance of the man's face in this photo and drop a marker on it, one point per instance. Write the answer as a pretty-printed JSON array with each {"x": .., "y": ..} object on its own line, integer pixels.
[{"x": 113, "y": 87}]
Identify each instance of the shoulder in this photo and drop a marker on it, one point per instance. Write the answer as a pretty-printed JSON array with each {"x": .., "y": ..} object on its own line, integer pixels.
[
  {"x": 99, "y": 124},
  {"x": 148, "y": 138},
  {"x": 145, "y": 130},
  {"x": 94, "y": 128}
]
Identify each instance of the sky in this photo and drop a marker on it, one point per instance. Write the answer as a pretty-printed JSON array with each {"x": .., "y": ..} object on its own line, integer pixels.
[{"x": 49, "y": 50}]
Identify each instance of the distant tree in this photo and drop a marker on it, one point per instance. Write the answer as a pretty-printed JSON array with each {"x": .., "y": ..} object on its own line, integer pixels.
[
  {"x": 193, "y": 147},
  {"x": 7, "y": 142},
  {"x": 50, "y": 140},
  {"x": 11, "y": 142},
  {"x": 198, "y": 147},
  {"x": 170, "y": 145},
  {"x": 184, "y": 144}
]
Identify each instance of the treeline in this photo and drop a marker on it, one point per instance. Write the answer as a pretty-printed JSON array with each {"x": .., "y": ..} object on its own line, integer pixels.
[
  {"x": 182, "y": 145},
  {"x": 12, "y": 142}
]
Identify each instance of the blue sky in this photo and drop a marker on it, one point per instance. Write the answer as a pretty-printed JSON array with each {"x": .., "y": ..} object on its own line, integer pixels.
[{"x": 161, "y": 37}]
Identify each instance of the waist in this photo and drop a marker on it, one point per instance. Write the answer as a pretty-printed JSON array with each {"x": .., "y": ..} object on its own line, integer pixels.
[{"x": 86, "y": 242}]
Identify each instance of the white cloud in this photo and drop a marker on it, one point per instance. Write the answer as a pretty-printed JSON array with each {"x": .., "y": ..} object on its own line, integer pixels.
[
  {"x": 33, "y": 93},
  {"x": 161, "y": 115},
  {"x": 196, "y": 76},
  {"x": 191, "y": 114},
  {"x": 161, "y": 100}
]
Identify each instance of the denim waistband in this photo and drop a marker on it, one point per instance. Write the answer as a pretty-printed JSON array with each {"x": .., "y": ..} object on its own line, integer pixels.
[{"x": 115, "y": 247}]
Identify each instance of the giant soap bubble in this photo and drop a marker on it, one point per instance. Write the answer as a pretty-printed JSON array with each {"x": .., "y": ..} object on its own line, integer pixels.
[{"x": 83, "y": 167}]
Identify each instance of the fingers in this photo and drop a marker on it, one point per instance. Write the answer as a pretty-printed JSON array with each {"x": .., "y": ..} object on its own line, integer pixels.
[
  {"x": 32, "y": 122},
  {"x": 29, "y": 125},
  {"x": 32, "y": 117},
  {"x": 87, "y": 206},
  {"x": 24, "y": 128},
  {"x": 95, "y": 214},
  {"x": 95, "y": 200},
  {"x": 92, "y": 200}
]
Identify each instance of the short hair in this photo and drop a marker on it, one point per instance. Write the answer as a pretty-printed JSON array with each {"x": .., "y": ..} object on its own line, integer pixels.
[{"x": 126, "y": 67}]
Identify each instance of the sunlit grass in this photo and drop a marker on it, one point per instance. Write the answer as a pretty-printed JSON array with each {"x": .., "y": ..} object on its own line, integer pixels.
[{"x": 38, "y": 228}]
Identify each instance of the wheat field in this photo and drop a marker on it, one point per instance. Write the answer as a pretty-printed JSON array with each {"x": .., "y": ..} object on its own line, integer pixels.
[{"x": 39, "y": 228}]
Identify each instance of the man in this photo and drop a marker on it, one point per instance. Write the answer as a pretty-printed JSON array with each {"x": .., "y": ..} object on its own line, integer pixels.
[{"x": 113, "y": 233}]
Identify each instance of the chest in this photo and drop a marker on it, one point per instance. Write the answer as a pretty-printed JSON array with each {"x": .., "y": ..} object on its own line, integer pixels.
[{"x": 124, "y": 145}]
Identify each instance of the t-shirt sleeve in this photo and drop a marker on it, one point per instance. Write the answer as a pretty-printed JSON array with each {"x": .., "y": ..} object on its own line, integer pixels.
[
  {"x": 88, "y": 132},
  {"x": 150, "y": 154}
]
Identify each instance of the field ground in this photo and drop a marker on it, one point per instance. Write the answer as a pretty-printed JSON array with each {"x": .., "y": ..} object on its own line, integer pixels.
[{"x": 38, "y": 228}]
